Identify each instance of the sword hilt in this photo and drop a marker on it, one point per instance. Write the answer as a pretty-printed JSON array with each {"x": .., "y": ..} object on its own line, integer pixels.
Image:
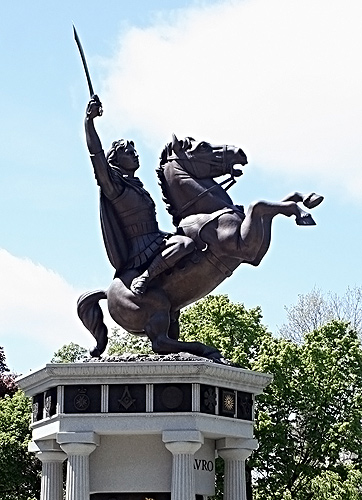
[{"x": 100, "y": 108}]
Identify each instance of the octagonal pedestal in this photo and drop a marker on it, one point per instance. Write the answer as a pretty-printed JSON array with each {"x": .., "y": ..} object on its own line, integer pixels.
[{"x": 142, "y": 430}]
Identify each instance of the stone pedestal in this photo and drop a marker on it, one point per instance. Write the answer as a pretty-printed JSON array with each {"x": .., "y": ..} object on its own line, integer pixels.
[{"x": 142, "y": 429}]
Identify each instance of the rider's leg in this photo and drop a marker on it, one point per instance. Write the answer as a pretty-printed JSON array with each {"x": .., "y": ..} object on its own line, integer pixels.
[{"x": 176, "y": 247}]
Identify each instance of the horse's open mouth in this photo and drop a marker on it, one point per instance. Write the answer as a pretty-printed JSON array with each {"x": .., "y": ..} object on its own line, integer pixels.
[{"x": 237, "y": 172}]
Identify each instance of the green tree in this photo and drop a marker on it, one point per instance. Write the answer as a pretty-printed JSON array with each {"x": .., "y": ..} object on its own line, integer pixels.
[
  {"x": 121, "y": 342},
  {"x": 19, "y": 470},
  {"x": 309, "y": 418},
  {"x": 236, "y": 331},
  {"x": 70, "y": 353}
]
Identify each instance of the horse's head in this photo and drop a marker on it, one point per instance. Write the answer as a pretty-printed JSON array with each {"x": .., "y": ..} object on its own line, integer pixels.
[
  {"x": 222, "y": 158},
  {"x": 187, "y": 171}
]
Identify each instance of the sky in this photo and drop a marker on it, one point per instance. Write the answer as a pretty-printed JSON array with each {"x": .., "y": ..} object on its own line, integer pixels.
[{"x": 281, "y": 79}]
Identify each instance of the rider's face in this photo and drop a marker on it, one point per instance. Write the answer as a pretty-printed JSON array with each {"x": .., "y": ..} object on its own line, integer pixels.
[{"x": 127, "y": 157}]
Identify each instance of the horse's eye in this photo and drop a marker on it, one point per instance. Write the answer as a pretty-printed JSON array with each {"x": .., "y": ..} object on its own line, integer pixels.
[{"x": 203, "y": 145}]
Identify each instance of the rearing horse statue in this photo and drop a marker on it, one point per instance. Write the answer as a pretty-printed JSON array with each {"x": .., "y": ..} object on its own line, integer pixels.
[{"x": 223, "y": 235}]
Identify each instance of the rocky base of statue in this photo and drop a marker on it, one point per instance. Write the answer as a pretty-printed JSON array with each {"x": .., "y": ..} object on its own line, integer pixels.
[{"x": 146, "y": 358}]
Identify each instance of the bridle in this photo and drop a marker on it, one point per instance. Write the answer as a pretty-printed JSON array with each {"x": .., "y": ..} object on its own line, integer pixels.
[{"x": 230, "y": 180}]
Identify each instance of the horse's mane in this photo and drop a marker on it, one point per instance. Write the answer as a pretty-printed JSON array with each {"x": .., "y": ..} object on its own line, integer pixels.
[{"x": 167, "y": 151}]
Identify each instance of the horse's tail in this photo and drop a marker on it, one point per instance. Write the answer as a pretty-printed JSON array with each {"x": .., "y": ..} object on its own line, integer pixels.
[{"x": 91, "y": 315}]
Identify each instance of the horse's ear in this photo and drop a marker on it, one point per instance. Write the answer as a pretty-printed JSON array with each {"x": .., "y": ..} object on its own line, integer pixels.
[{"x": 176, "y": 144}]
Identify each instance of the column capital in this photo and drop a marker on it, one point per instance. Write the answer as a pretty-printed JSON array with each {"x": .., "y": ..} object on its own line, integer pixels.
[
  {"x": 236, "y": 448},
  {"x": 192, "y": 436},
  {"x": 185, "y": 442},
  {"x": 78, "y": 443},
  {"x": 47, "y": 450}
]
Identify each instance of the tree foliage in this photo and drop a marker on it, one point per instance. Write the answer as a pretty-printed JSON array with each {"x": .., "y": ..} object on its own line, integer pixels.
[
  {"x": 234, "y": 330},
  {"x": 70, "y": 353},
  {"x": 121, "y": 342},
  {"x": 315, "y": 309},
  {"x": 19, "y": 470},
  {"x": 309, "y": 418}
]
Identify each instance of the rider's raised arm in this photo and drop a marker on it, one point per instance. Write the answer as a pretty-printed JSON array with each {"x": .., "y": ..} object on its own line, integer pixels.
[{"x": 100, "y": 164}]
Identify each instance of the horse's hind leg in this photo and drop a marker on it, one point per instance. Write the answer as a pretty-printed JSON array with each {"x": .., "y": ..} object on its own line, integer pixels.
[
  {"x": 174, "y": 328},
  {"x": 156, "y": 330}
]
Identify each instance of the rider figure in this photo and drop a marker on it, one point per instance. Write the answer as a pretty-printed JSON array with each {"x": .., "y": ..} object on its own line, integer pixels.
[{"x": 128, "y": 217}]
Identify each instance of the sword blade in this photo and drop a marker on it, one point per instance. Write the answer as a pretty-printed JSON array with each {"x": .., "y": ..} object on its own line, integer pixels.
[{"x": 85, "y": 66}]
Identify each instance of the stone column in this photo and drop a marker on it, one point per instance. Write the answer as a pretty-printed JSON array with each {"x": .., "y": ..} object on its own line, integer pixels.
[
  {"x": 78, "y": 446},
  {"x": 52, "y": 458},
  {"x": 235, "y": 451},
  {"x": 183, "y": 445}
]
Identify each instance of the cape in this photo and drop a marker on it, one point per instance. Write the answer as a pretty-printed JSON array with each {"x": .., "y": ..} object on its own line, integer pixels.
[{"x": 114, "y": 238}]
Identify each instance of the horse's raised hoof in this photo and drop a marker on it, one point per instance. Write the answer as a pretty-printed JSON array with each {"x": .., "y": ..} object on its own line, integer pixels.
[
  {"x": 304, "y": 219},
  {"x": 312, "y": 200}
]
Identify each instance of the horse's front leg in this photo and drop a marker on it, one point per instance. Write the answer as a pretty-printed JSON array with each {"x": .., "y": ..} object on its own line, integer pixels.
[
  {"x": 255, "y": 230},
  {"x": 157, "y": 330}
]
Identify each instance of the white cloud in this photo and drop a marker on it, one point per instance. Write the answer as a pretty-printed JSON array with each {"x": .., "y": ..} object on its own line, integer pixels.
[
  {"x": 37, "y": 311},
  {"x": 279, "y": 78}
]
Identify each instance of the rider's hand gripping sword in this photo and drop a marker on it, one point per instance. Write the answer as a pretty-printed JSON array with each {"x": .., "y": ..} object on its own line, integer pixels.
[{"x": 90, "y": 86}]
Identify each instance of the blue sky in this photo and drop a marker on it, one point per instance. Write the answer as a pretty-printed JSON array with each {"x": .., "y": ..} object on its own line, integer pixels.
[{"x": 281, "y": 79}]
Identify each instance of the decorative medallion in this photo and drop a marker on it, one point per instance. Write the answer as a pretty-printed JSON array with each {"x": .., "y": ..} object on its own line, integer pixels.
[
  {"x": 126, "y": 400},
  {"x": 245, "y": 406},
  {"x": 35, "y": 411},
  {"x": 81, "y": 400},
  {"x": 229, "y": 402},
  {"x": 47, "y": 406},
  {"x": 172, "y": 397},
  {"x": 210, "y": 398}
]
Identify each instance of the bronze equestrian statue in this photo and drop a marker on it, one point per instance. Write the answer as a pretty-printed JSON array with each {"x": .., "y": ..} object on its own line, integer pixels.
[{"x": 157, "y": 273}]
